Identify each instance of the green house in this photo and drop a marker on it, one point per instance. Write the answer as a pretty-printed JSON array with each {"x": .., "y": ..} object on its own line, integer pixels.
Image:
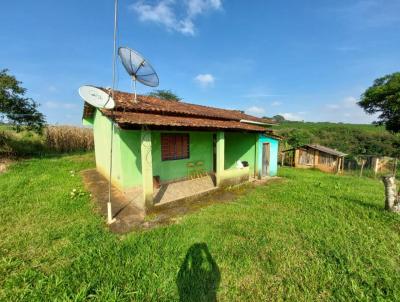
[{"x": 158, "y": 142}]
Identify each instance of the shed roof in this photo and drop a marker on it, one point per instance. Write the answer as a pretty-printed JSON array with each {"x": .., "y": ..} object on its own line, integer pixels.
[
  {"x": 320, "y": 148},
  {"x": 153, "y": 111},
  {"x": 326, "y": 150}
]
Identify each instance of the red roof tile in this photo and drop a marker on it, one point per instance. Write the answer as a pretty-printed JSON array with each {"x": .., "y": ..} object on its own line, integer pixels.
[
  {"x": 124, "y": 102},
  {"x": 129, "y": 119},
  {"x": 157, "y": 112}
]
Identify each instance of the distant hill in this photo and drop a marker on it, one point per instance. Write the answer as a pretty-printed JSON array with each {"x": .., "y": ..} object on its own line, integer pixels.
[
  {"x": 354, "y": 139},
  {"x": 321, "y": 125}
]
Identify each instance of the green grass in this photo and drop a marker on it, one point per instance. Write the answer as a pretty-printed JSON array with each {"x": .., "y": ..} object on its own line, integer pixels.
[{"x": 308, "y": 237}]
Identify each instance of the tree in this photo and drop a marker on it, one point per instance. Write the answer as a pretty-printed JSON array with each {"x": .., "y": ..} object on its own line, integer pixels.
[
  {"x": 165, "y": 95},
  {"x": 279, "y": 118},
  {"x": 299, "y": 137},
  {"x": 383, "y": 97},
  {"x": 19, "y": 110}
]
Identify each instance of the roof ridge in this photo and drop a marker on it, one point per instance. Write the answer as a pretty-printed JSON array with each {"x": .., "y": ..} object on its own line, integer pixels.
[{"x": 155, "y": 104}]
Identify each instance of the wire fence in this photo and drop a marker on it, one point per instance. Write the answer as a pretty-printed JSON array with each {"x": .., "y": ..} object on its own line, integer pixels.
[
  {"x": 361, "y": 165},
  {"x": 371, "y": 166}
]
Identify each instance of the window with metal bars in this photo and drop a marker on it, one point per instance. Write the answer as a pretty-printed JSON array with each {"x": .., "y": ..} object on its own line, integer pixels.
[{"x": 174, "y": 146}]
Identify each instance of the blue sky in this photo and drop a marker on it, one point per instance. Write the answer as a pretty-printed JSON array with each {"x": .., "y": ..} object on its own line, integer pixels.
[{"x": 308, "y": 60}]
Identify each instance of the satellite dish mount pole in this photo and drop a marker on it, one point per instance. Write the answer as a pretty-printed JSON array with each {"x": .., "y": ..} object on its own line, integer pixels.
[
  {"x": 134, "y": 88},
  {"x": 110, "y": 218}
]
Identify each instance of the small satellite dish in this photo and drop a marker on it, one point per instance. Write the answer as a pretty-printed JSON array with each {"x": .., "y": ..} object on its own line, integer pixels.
[
  {"x": 138, "y": 68},
  {"x": 96, "y": 97}
]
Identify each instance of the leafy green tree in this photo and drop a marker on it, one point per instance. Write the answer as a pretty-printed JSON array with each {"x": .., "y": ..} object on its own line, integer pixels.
[
  {"x": 17, "y": 109},
  {"x": 279, "y": 118},
  {"x": 298, "y": 137},
  {"x": 383, "y": 97},
  {"x": 165, "y": 95}
]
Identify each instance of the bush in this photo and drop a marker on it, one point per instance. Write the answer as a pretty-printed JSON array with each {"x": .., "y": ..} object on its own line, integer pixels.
[{"x": 24, "y": 143}]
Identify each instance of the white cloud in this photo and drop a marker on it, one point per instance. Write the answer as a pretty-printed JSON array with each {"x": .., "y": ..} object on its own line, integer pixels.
[
  {"x": 52, "y": 88},
  {"x": 197, "y": 7},
  {"x": 56, "y": 105},
  {"x": 291, "y": 116},
  {"x": 254, "y": 110},
  {"x": 205, "y": 79},
  {"x": 350, "y": 102},
  {"x": 160, "y": 13},
  {"x": 276, "y": 103},
  {"x": 165, "y": 12},
  {"x": 345, "y": 110}
]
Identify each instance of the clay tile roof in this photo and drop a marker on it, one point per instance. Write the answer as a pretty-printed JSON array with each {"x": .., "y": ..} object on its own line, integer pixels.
[
  {"x": 154, "y": 111},
  {"x": 127, "y": 119}
]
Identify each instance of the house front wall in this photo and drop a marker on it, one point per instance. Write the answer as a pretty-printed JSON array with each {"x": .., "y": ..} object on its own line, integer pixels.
[
  {"x": 273, "y": 156},
  {"x": 200, "y": 150},
  {"x": 240, "y": 146}
]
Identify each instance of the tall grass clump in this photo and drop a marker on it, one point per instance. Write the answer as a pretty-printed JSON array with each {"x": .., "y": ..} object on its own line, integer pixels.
[
  {"x": 23, "y": 143},
  {"x": 62, "y": 139}
]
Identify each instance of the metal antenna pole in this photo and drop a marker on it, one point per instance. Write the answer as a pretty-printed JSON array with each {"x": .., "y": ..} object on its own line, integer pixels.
[
  {"x": 110, "y": 218},
  {"x": 134, "y": 83}
]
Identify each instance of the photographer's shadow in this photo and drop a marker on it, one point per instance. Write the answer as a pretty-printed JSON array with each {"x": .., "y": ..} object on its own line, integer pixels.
[{"x": 199, "y": 276}]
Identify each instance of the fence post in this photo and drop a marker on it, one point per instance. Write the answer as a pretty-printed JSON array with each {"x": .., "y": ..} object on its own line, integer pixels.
[
  {"x": 391, "y": 200},
  {"x": 362, "y": 167}
]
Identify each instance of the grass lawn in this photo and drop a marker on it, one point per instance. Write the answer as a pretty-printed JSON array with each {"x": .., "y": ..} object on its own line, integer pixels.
[{"x": 308, "y": 237}]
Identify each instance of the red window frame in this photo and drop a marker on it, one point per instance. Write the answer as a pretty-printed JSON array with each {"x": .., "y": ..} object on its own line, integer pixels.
[{"x": 174, "y": 146}]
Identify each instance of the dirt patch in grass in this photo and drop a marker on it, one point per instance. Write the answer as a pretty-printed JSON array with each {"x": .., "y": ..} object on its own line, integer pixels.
[
  {"x": 4, "y": 163},
  {"x": 128, "y": 217}
]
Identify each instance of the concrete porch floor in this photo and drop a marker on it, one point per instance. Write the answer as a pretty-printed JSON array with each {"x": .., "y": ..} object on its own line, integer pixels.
[{"x": 183, "y": 189}]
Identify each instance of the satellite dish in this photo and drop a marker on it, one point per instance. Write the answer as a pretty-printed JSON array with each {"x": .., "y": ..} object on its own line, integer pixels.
[
  {"x": 96, "y": 97},
  {"x": 138, "y": 68}
]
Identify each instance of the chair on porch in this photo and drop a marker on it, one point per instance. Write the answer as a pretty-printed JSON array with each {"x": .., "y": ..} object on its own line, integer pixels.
[
  {"x": 191, "y": 170},
  {"x": 200, "y": 171}
]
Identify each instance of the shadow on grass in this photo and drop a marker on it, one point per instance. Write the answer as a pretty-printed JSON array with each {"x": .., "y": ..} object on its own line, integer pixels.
[
  {"x": 370, "y": 206},
  {"x": 366, "y": 205},
  {"x": 199, "y": 276}
]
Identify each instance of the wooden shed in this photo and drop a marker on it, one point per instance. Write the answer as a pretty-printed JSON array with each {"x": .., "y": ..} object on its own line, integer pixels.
[{"x": 315, "y": 156}]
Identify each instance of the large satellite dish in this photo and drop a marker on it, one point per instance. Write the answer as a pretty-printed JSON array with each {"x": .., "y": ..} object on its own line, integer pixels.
[
  {"x": 138, "y": 68},
  {"x": 96, "y": 97}
]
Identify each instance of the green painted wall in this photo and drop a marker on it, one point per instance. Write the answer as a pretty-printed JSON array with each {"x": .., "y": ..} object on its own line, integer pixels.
[
  {"x": 201, "y": 148},
  {"x": 131, "y": 164},
  {"x": 126, "y": 152},
  {"x": 88, "y": 121},
  {"x": 240, "y": 146}
]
